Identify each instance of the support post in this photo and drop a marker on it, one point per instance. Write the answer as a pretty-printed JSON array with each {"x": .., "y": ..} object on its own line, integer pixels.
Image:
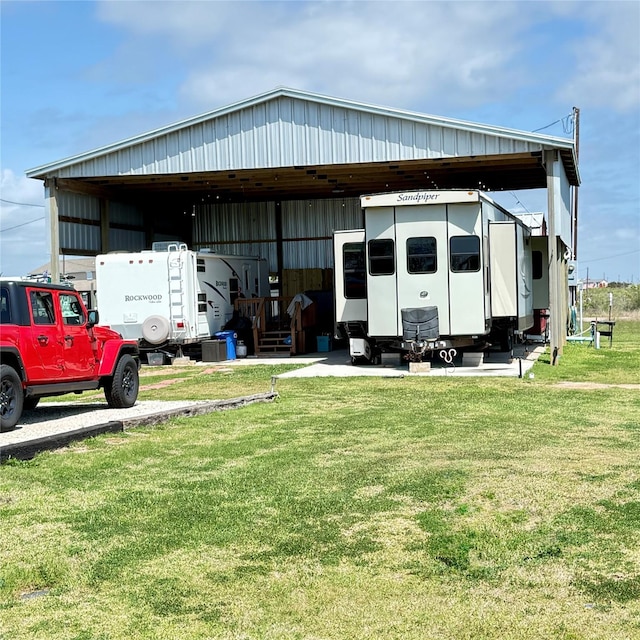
[
  {"x": 555, "y": 312},
  {"x": 104, "y": 225},
  {"x": 53, "y": 227}
]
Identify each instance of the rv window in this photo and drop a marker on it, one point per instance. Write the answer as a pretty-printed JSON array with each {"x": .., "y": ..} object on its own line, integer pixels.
[
  {"x": 464, "y": 253},
  {"x": 381, "y": 257},
  {"x": 355, "y": 276},
  {"x": 200, "y": 268},
  {"x": 536, "y": 266},
  {"x": 202, "y": 303},
  {"x": 234, "y": 290},
  {"x": 421, "y": 255}
]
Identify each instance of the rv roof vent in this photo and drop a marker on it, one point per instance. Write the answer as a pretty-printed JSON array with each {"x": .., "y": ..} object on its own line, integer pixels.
[{"x": 171, "y": 245}]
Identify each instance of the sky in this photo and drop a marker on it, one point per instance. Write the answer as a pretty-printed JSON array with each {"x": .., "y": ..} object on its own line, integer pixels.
[{"x": 78, "y": 75}]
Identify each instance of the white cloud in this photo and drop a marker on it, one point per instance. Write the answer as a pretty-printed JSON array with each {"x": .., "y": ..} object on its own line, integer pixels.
[
  {"x": 23, "y": 241},
  {"x": 607, "y": 70},
  {"x": 386, "y": 52}
]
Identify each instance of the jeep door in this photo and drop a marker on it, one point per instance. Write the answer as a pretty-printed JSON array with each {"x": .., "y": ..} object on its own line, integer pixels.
[
  {"x": 79, "y": 361},
  {"x": 44, "y": 358}
]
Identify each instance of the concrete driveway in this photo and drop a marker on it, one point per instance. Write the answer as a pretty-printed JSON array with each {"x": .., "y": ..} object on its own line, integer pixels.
[{"x": 338, "y": 364}]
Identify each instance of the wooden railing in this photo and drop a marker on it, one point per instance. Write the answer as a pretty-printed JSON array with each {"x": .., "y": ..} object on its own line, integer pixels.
[{"x": 274, "y": 331}]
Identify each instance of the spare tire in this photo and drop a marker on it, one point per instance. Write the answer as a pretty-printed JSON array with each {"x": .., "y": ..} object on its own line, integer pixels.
[{"x": 155, "y": 329}]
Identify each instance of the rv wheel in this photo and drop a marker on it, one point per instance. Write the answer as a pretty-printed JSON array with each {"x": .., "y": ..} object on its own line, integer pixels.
[{"x": 506, "y": 340}]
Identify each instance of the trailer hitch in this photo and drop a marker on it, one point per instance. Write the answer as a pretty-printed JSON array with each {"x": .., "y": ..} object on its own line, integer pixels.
[{"x": 448, "y": 355}]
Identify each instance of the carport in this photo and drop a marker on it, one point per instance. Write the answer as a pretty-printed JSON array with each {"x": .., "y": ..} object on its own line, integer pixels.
[{"x": 276, "y": 174}]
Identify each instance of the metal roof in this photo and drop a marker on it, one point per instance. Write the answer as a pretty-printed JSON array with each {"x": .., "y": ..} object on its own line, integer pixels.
[{"x": 293, "y": 144}]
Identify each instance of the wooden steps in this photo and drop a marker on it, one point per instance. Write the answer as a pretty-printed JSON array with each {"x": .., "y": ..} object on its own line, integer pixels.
[{"x": 272, "y": 343}]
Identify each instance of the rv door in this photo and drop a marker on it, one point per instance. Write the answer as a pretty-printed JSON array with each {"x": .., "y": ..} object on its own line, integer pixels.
[
  {"x": 350, "y": 276},
  {"x": 421, "y": 239}
]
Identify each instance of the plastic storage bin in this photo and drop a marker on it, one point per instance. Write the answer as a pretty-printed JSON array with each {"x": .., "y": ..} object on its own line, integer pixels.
[
  {"x": 230, "y": 337},
  {"x": 214, "y": 350},
  {"x": 155, "y": 359},
  {"x": 324, "y": 343}
]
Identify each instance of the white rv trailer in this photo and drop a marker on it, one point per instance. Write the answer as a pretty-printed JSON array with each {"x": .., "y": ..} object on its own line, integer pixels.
[
  {"x": 170, "y": 296},
  {"x": 432, "y": 270}
]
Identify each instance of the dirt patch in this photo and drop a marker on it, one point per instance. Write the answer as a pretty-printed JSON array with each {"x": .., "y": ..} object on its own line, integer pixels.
[
  {"x": 587, "y": 386},
  {"x": 167, "y": 383}
]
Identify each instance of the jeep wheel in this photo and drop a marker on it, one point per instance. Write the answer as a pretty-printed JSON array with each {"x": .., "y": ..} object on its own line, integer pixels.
[
  {"x": 11, "y": 397},
  {"x": 121, "y": 391}
]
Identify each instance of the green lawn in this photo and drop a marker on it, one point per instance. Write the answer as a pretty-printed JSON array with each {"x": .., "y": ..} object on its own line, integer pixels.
[{"x": 411, "y": 508}]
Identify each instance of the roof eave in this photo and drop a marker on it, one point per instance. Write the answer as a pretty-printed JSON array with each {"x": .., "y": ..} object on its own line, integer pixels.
[{"x": 46, "y": 170}]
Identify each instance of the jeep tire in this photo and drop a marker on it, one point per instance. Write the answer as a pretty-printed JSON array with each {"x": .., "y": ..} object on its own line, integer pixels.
[
  {"x": 11, "y": 397},
  {"x": 121, "y": 390}
]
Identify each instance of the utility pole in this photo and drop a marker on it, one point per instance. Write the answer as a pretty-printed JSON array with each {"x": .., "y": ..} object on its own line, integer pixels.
[{"x": 574, "y": 191}]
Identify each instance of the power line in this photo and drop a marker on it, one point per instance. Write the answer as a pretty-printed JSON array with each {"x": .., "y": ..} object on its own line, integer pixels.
[
  {"x": 518, "y": 201},
  {"x": 21, "y": 204},
  {"x": 567, "y": 124},
  {"x": 24, "y": 224},
  {"x": 619, "y": 255}
]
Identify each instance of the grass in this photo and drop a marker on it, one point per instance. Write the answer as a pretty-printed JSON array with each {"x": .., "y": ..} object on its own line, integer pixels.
[{"x": 349, "y": 508}]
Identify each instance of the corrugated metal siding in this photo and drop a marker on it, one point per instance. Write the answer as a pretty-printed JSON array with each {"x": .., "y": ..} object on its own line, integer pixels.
[
  {"x": 78, "y": 205},
  {"x": 126, "y": 240},
  {"x": 308, "y": 226},
  {"x": 87, "y": 237},
  {"x": 124, "y": 213},
  {"x": 318, "y": 218},
  {"x": 307, "y": 254},
  {"x": 287, "y": 131},
  {"x": 234, "y": 222},
  {"x": 240, "y": 229},
  {"x": 250, "y": 229},
  {"x": 79, "y": 236}
]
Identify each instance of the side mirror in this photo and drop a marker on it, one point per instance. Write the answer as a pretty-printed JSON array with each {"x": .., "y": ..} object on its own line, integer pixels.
[{"x": 93, "y": 318}]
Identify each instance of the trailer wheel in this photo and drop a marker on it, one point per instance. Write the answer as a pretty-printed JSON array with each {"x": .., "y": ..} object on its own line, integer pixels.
[
  {"x": 506, "y": 340},
  {"x": 11, "y": 397},
  {"x": 121, "y": 390}
]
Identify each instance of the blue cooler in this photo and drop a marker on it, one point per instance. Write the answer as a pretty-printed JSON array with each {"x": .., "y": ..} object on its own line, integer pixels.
[{"x": 230, "y": 337}]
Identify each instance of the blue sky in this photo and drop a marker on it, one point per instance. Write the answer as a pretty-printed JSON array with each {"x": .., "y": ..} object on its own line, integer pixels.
[{"x": 79, "y": 75}]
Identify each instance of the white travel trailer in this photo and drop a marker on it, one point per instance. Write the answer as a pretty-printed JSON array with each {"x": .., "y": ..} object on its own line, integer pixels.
[
  {"x": 170, "y": 296},
  {"x": 432, "y": 270}
]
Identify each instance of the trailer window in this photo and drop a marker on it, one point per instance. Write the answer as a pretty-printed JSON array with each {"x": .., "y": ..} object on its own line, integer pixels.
[
  {"x": 200, "y": 266},
  {"x": 234, "y": 290},
  {"x": 355, "y": 275},
  {"x": 202, "y": 303},
  {"x": 381, "y": 257},
  {"x": 421, "y": 255},
  {"x": 536, "y": 264},
  {"x": 464, "y": 253}
]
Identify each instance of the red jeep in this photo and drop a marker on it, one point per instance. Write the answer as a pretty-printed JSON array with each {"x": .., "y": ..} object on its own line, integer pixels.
[{"x": 51, "y": 345}]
